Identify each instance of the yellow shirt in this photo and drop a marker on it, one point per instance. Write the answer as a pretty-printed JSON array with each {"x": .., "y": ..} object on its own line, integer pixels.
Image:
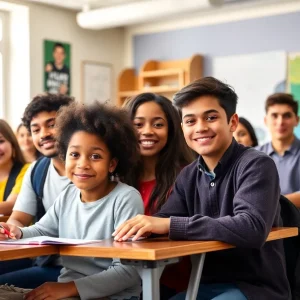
[{"x": 17, "y": 187}]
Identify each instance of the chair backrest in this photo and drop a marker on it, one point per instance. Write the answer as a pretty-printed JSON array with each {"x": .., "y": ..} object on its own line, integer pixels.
[{"x": 290, "y": 215}]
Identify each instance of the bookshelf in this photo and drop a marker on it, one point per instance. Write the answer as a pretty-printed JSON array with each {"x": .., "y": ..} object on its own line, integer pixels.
[{"x": 161, "y": 77}]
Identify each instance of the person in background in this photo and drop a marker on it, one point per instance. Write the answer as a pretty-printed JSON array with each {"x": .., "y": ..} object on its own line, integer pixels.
[
  {"x": 230, "y": 194},
  {"x": 24, "y": 138},
  {"x": 12, "y": 168},
  {"x": 164, "y": 153},
  {"x": 245, "y": 133},
  {"x": 96, "y": 142},
  {"x": 284, "y": 148}
]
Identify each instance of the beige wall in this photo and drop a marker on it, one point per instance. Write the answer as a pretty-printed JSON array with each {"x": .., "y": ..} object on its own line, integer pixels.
[
  {"x": 46, "y": 22},
  {"x": 57, "y": 24}
]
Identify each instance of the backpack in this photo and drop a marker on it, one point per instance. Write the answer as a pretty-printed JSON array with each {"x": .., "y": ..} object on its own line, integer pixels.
[
  {"x": 12, "y": 177},
  {"x": 38, "y": 177}
]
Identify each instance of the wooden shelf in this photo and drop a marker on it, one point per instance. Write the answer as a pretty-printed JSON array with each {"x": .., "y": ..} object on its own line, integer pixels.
[
  {"x": 160, "y": 77},
  {"x": 160, "y": 89},
  {"x": 161, "y": 73},
  {"x": 128, "y": 93}
]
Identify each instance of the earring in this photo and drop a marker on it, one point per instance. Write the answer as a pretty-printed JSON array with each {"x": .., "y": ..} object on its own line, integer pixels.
[{"x": 111, "y": 176}]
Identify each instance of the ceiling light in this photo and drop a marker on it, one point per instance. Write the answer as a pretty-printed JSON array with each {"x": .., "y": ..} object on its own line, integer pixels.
[{"x": 140, "y": 12}]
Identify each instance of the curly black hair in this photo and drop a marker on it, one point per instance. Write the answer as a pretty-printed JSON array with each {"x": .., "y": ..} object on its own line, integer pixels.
[
  {"x": 111, "y": 124},
  {"x": 44, "y": 102}
]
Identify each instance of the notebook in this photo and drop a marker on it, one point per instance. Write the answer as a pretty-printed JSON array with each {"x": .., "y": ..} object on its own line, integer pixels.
[{"x": 47, "y": 240}]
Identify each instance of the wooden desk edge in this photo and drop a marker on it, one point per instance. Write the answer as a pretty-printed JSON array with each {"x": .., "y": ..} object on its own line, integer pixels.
[
  {"x": 4, "y": 218},
  {"x": 282, "y": 232},
  {"x": 31, "y": 251},
  {"x": 165, "y": 253}
]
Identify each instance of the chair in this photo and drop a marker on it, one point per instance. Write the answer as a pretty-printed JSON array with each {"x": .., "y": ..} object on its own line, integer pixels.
[{"x": 291, "y": 218}]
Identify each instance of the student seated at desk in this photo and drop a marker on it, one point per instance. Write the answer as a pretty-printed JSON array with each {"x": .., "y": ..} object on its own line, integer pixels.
[
  {"x": 230, "y": 194},
  {"x": 158, "y": 126},
  {"x": 284, "y": 148},
  {"x": 12, "y": 168},
  {"x": 96, "y": 143},
  {"x": 37, "y": 196}
]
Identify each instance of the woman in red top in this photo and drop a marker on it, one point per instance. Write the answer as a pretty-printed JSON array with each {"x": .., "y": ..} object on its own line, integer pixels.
[{"x": 164, "y": 153}]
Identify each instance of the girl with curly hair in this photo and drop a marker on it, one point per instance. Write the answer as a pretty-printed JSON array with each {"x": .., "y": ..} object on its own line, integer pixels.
[{"x": 96, "y": 142}]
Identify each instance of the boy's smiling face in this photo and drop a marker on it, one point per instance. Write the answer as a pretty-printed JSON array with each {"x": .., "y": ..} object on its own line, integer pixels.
[{"x": 206, "y": 129}]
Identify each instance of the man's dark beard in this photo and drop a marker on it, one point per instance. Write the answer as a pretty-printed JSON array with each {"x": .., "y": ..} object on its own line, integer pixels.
[{"x": 55, "y": 154}]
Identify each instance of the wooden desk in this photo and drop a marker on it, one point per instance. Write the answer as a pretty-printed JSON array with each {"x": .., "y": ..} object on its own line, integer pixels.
[
  {"x": 151, "y": 256},
  {"x": 8, "y": 252},
  {"x": 148, "y": 256},
  {"x": 3, "y": 218}
]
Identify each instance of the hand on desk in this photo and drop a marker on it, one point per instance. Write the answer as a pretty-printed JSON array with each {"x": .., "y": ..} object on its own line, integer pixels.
[
  {"x": 53, "y": 291},
  {"x": 141, "y": 226},
  {"x": 14, "y": 231}
]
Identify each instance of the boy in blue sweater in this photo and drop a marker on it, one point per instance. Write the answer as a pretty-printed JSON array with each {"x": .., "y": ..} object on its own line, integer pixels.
[{"x": 229, "y": 194}]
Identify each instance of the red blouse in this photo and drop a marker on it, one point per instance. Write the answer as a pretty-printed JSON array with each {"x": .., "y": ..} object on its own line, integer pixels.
[
  {"x": 146, "y": 188},
  {"x": 175, "y": 276}
]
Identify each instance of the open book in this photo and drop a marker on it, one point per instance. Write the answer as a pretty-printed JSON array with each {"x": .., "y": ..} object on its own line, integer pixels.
[{"x": 47, "y": 240}]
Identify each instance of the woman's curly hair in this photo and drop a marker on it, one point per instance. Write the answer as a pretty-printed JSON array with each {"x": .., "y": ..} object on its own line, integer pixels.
[{"x": 111, "y": 124}]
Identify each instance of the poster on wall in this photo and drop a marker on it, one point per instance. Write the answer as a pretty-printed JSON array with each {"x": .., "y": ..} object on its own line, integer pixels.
[
  {"x": 254, "y": 77},
  {"x": 57, "y": 67},
  {"x": 293, "y": 80},
  {"x": 294, "y": 75}
]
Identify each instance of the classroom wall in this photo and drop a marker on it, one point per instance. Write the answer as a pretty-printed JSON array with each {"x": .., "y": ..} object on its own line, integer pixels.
[
  {"x": 231, "y": 29},
  {"x": 240, "y": 37},
  {"x": 46, "y": 22},
  {"x": 243, "y": 33},
  {"x": 51, "y": 23}
]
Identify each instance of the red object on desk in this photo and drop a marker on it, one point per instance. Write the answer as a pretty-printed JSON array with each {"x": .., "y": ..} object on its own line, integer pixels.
[{"x": 7, "y": 232}]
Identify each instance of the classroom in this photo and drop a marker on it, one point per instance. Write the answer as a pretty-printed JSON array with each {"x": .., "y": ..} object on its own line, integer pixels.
[{"x": 149, "y": 149}]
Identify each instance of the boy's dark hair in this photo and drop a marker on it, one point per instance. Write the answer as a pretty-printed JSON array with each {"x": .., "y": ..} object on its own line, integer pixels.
[
  {"x": 112, "y": 125},
  {"x": 208, "y": 86},
  {"x": 58, "y": 45},
  {"x": 282, "y": 98},
  {"x": 171, "y": 160},
  {"x": 46, "y": 102},
  {"x": 250, "y": 129}
]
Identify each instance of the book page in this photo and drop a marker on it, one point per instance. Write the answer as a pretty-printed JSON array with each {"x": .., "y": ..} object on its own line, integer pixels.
[{"x": 47, "y": 240}]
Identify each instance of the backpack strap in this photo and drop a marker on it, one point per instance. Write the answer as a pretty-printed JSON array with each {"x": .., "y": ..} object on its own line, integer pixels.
[
  {"x": 38, "y": 177},
  {"x": 12, "y": 177}
]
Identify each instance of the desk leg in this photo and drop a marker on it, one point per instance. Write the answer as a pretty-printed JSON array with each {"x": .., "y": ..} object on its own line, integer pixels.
[
  {"x": 150, "y": 279},
  {"x": 150, "y": 272},
  {"x": 197, "y": 267}
]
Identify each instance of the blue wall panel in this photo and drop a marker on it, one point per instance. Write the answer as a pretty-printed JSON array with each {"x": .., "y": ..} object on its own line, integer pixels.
[{"x": 273, "y": 33}]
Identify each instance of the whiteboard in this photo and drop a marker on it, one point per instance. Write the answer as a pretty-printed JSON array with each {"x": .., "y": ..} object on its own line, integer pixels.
[
  {"x": 97, "y": 82},
  {"x": 254, "y": 77}
]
